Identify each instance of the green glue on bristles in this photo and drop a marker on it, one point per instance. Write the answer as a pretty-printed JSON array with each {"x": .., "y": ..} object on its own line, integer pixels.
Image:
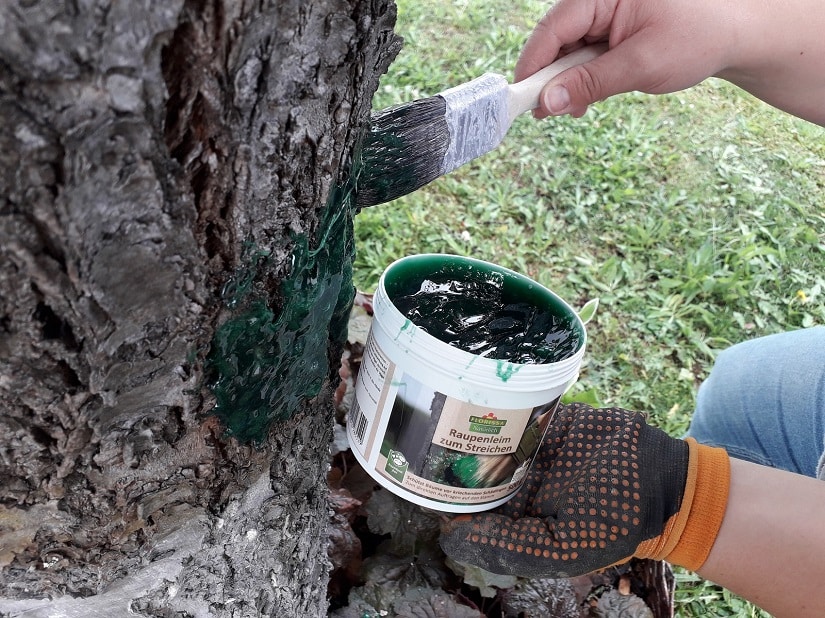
[{"x": 265, "y": 362}]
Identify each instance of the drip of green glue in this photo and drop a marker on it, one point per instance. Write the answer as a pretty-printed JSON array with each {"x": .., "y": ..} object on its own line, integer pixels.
[
  {"x": 264, "y": 362},
  {"x": 505, "y": 370},
  {"x": 406, "y": 326}
]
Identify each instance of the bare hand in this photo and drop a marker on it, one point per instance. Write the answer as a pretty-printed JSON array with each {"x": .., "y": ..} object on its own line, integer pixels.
[{"x": 773, "y": 50}]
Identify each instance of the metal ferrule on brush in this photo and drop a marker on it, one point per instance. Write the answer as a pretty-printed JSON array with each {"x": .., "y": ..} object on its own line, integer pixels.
[{"x": 474, "y": 118}]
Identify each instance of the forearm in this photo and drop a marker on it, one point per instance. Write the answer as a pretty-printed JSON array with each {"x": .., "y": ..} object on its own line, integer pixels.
[
  {"x": 771, "y": 546},
  {"x": 778, "y": 54}
]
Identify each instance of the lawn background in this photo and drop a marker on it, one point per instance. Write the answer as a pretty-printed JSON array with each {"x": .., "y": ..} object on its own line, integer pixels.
[{"x": 696, "y": 218}]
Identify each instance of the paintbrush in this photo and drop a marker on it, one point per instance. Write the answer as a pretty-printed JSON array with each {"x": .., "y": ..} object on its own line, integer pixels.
[{"x": 412, "y": 144}]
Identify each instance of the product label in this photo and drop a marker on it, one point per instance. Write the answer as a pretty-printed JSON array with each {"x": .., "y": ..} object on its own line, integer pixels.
[
  {"x": 371, "y": 392},
  {"x": 475, "y": 429},
  {"x": 435, "y": 446},
  {"x": 457, "y": 495}
]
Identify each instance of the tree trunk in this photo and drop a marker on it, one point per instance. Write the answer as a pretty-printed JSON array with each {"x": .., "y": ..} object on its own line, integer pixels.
[{"x": 175, "y": 270}]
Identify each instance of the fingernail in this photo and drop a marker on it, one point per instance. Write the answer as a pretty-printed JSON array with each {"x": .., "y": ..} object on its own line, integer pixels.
[{"x": 557, "y": 99}]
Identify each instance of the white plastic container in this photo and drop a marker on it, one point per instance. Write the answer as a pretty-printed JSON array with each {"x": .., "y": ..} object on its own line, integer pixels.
[{"x": 439, "y": 426}]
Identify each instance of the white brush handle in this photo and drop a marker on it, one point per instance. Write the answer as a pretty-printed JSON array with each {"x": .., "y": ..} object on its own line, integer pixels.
[{"x": 523, "y": 96}]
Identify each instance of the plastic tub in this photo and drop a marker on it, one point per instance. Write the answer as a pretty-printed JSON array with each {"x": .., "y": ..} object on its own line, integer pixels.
[{"x": 442, "y": 427}]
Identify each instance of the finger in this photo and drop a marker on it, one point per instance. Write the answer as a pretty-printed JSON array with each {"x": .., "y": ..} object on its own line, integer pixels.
[
  {"x": 562, "y": 29},
  {"x": 523, "y": 547},
  {"x": 616, "y": 71}
]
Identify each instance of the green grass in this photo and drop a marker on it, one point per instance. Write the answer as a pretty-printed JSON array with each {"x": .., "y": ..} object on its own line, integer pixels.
[{"x": 696, "y": 218}]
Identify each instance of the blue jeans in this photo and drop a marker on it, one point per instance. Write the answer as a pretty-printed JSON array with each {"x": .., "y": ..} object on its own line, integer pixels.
[{"x": 764, "y": 401}]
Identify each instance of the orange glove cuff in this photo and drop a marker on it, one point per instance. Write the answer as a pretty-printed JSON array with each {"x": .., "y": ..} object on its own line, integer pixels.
[
  {"x": 689, "y": 535},
  {"x": 704, "y": 503}
]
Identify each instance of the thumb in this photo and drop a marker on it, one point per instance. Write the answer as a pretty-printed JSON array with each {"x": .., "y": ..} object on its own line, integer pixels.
[
  {"x": 572, "y": 91},
  {"x": 525, "y": 547}
]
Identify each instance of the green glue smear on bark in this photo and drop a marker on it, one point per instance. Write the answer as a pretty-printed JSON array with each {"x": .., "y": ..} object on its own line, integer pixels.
[{"x": 265, "y": 363}]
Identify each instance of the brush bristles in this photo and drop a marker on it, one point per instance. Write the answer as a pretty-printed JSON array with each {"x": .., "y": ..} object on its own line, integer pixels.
[{"x": 403, "y": 151}]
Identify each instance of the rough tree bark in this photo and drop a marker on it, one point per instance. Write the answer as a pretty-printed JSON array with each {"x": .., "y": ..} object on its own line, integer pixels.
[{"x": 165, "y": 167}]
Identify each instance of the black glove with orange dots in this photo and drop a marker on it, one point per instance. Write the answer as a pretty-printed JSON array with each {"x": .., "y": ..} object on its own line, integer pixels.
[{"x": 605, "y": 487}]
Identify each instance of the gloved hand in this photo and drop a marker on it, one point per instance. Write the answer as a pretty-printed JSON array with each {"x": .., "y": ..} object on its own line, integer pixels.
[{"x": 604, "y": 487}]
